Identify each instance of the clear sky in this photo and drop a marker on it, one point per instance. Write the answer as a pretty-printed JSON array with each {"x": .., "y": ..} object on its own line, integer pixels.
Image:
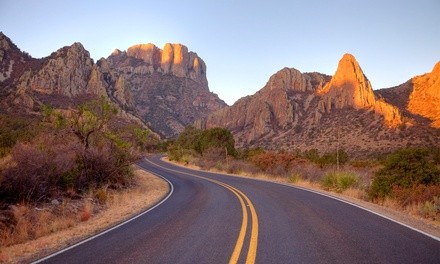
[{"x": 243, "y": 42}]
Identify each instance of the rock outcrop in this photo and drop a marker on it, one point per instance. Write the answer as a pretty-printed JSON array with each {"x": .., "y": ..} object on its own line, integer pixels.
[
  {"x": 418, "y": 98},
  {"x": 302, "y": 111},
  {"x": 173, "y": 59},
  {"x": 424, "y": 99},
  {"x": 65, "y": 72},
  {"x": 282, "y": 102},
  {"x": 349, "y": 87},
  {"x": 167, "y": 89},
  {"x": 13, "y": 64}
]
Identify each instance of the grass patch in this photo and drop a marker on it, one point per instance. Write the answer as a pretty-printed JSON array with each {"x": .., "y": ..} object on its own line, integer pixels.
[
  {"x": 339, "y": 181},
  {"x": 295, "y": 177}
]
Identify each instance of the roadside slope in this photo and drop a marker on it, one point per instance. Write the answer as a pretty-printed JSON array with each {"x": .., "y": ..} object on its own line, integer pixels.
[{"x": 150, "y": 190}]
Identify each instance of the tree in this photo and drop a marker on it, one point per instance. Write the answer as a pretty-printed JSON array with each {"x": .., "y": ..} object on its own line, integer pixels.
[
  {"x": 202, "y": 140},
  {"x": 217, "y": 138},
  {"x": 190, "y": 138},
  {"x": 90, "y": 118}
]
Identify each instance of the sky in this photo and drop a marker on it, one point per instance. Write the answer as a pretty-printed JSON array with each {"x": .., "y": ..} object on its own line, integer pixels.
[{"x": 242, "y": 42}]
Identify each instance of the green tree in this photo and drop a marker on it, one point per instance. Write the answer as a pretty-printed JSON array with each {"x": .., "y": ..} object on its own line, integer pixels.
[
  {"x": 190, "y": 138},
  {"x": 202, "y": 140},
  {"x": 90, "y": 118},
  {"x": 217, "y": 138}
]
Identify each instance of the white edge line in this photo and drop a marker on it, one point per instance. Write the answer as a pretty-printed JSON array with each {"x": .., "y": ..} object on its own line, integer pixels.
[
  {"x": 365, "y": 209},
  {"x": 114, "y": 227},
  {"x": 320, "y": 193}
]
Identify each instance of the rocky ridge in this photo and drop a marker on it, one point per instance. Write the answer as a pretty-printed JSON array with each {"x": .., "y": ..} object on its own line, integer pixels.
[
  {"x": 303, "y": 111},
  {"x": 349, "y": 87},
  {"x": 167, "y": 88},
  {"x": 418, "y": 98}
]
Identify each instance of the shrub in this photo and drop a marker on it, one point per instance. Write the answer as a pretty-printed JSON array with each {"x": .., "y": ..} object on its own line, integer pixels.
[
  {"x": 295, "y": 177},
  {"x": 404, "y": 169},
  {"x": 327, "y": 158},
  {"x": 430, "y": 209},
  {"x": 339, "y": 181},
  {"x": 34, "y": 178},
  {"x": 14, "y": 129},
  {"x": 203, "y": 140},
  {"x": 275, "y": 163}
]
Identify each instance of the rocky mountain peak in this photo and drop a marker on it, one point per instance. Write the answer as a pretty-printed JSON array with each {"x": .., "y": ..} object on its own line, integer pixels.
[
  {"x": 173, "y": 59},
  {"x": 349, "y": 86},
  {"x": 65, "y": 72},
  {"x": 5, "y": 42}
]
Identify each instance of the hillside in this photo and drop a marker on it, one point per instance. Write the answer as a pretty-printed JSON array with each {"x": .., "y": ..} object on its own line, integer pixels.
[
  {"x": 303, "y": 111},
  {"x": 419, "y": 97},
  {"x": 166, "y": 89}
]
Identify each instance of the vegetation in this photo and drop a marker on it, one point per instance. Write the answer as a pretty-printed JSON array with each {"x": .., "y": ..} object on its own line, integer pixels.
[
  {"x": 409, "y": 178},
  {"x": 72, "y": 152},
  {"x": 408, "y": 175},
  {"x": 14, "y": 128},
  {"x": 193, "y": 140},
  {"x": 339, "y": 181},
  {"x": 66, "y": 161},
  {"x": 326, "y": 159}
]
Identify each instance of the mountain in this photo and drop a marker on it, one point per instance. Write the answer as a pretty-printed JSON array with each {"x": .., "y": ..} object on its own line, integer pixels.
[
  {"x": 419, "y": 97},
  {"x": 167, "y": 89},
  {"x": 303, "y": 111}
]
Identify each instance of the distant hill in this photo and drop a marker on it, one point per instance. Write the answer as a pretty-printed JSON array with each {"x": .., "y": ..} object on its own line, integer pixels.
[
  {"x": 303, "y": 111},
  {"x": 166, "y": 89}
]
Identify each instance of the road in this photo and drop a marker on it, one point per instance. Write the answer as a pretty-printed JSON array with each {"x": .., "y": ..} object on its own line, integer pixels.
[{"x": 212, "y": 218}]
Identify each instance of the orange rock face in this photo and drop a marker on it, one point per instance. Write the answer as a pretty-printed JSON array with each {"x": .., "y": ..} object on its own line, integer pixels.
[
  {"x": 173, "y": 59},
  {"x": 303, "y": 111},
  {"x": 349, "y": 87},
  {"x": 424, "y": 99}
]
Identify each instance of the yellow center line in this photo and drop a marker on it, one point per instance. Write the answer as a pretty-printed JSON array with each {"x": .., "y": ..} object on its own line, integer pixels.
[
  {"x": 253, "y": 243},
  {"x": 252, "y": 252}
]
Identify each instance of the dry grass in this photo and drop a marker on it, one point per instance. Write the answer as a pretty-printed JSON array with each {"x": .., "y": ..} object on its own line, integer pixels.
[{"x": 64, "y": 231}]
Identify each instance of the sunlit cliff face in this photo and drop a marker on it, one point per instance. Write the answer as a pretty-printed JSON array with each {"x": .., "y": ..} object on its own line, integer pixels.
[
  {"x": 350, "y": 83},
  {"x": 350, "y": 87},
  {"x": 174, "y": 59},
  {"x": 425, "y": 96}
]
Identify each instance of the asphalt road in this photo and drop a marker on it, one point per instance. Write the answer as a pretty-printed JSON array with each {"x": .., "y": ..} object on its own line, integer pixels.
[{"x": 211, "y": 218}]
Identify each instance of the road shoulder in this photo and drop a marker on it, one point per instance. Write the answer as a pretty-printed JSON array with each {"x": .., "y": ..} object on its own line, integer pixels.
[
  {"x": 423, "y": 225},
  {"x": 149, "y": 191}
]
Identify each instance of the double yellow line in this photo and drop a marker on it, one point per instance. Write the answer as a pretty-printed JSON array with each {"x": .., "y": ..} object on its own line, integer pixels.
[{"x": 244, "y": 202}]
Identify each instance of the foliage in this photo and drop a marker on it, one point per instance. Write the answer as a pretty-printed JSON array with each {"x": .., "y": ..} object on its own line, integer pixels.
[
  {"x": 404, "y": 169},
  {"x": 295, "y": 177},
  {"x": 216, "y": 138},
  {"x": 90, "y": 118},
  {"x": 274, "y": 163},
  {"x": 339, "y": 181},
  {"x": 13, "y": 129},
  {"x": 247, "y": 154},
  {"x": 189, "y": 138},
  {"x": 62, "y": 160},
  {"x": 327, "y": 158},
  {"x": 430, "y": 208},
  {"x": 201, "y": 141}
]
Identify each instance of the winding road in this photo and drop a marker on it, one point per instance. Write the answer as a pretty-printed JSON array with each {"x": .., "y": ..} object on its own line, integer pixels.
[{"x": 213, "y": 218}]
